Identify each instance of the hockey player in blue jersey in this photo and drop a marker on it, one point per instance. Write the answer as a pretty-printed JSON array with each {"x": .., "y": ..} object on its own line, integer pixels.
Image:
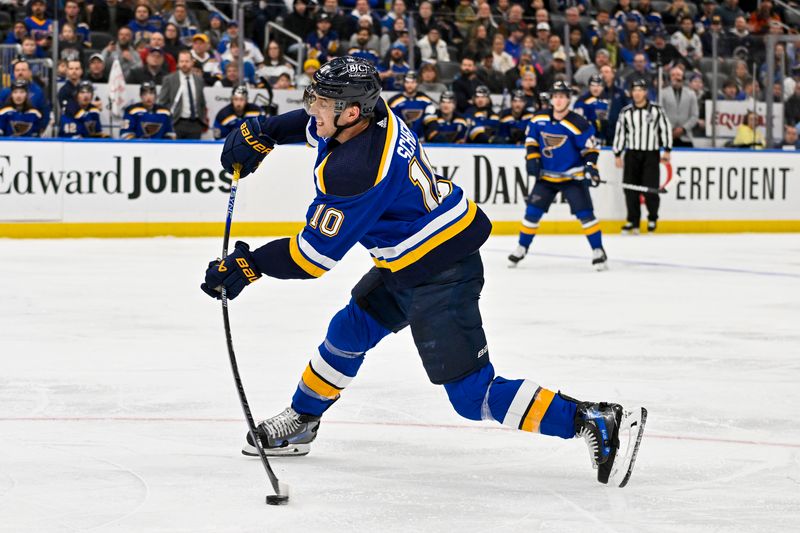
[
  {"x": 375, "y": 186},
  {"x": 484, "y": 123},
  {"x": 446, "y": 125},
  {"x": 594, "y": 107},
  {"x": 232, "y": 115},
  {"x": 81, "y": 118},
  {"x": 146, "y": 119},
  {"x": 562, "y": 156},
  {"x": 412, "y": 105},
  {"x": 18, "y": 117},
  {"x": 514, "y": 120}
]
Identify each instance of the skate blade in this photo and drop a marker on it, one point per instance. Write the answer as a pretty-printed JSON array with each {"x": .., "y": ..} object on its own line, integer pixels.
[
  {"x": 286, "y": 451},
  {"x": 601, "y": 267},
  {"x": 630, "y": 435}
]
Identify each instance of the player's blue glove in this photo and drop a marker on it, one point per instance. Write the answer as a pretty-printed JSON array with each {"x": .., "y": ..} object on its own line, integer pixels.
[
  {"x": 590, "y": 171},
  {"x": 247, "y": 145},
  {"x": 235, "y": 272}
]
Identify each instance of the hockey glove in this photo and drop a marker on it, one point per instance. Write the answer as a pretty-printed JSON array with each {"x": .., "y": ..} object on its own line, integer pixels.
[
  {"x": 235, "y": 272},
  {"x": 246, "y": 145},
  {"x": 590, "y": 171},
  {"x": 533, "y": 166}
]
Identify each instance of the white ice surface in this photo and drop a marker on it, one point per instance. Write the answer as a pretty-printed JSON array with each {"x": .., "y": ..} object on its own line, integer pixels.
[{"x": 118, "y": 411}]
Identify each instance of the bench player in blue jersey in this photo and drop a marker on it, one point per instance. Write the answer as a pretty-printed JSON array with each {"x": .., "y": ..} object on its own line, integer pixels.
[
  {"x": 232, "y": 115},
  {"x": 146, "y": 119},
  {"x": 561, "y": 153},
  {"x": 412, "y": 105},
  {"x": 375, "y": 186}
]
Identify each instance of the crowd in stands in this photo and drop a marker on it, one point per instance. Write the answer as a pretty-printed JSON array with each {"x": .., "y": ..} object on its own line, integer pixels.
[{"x": 448, "y": 60}]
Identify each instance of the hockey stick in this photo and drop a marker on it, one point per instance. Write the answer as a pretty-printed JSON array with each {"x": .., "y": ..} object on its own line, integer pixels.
[
  {"x": 639, "y": 188},
  {"x": 281, "y": 495}
]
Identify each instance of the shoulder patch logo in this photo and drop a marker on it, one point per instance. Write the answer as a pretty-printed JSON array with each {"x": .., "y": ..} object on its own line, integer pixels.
[{"x": 382, "y": 123}]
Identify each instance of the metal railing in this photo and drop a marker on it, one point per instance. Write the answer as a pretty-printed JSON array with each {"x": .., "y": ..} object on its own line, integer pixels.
[{"x": 301, "y": 48}]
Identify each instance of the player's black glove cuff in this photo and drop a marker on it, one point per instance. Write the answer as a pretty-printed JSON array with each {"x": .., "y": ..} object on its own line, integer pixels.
[
  {"x": 235, "y": 272},
  {"x": 590, "y": 171}
]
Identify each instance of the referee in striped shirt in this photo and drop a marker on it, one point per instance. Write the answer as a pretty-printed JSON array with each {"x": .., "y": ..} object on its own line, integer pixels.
[{"x": 642, "y": 130}]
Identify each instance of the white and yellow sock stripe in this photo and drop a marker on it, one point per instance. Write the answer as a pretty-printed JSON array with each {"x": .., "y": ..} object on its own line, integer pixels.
[
  {"x": 529, "y": 228},
  {"x": 528, "y": 407},
  {"x": 323, "y": 381},
  {"x": 591, "y": 226}
]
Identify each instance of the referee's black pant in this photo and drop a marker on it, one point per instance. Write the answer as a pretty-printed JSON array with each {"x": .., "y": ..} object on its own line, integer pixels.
[{"x": 641, "y": 168}]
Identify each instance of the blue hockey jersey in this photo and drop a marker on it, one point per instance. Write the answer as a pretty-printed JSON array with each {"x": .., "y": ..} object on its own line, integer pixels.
[
  {"x": 412, "y": 110},
  {"x": 563, "y": 146},
  {"x": 80, "y": 123},
  {"x": 483, "y": 125},
  {"x": 512, "y": 128},
  {"x": 16, "y": 123},
  {"x": 227, "y": 120},
  {"x": 138, "y": 122},
  {"x": 440, "y": 130},
  {"x": 380, "y": 190}
]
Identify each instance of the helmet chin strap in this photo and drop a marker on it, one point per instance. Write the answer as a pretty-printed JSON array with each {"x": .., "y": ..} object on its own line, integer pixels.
[{"x": 340, "y": 129}]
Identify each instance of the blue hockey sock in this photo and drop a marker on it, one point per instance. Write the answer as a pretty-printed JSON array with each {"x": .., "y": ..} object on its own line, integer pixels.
[
  {"x": 530, "y": 225},
  {"x": 350, "y": 334},
  {"x": 591, "y": 228}
]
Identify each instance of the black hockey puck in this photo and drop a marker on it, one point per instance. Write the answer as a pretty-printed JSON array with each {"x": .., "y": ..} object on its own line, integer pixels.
[{"x": 277, "y": 499}]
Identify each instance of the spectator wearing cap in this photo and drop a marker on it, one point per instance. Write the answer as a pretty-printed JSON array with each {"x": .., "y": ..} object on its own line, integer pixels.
[
  {"x": 362, "y": 13},
  {"x": 706, "y": 38},
  {"x": 445, "y": 125},
  {"x": 111, "y": 15},
  {"x": 660, "y": 52},
  {"x": 18, "y": 116},
  {"x": 583, "y": 74},
  {"x": 207, "y": 62},
  {"x": 687, "y": 41},
  {"x": 22, "y": 71},
  {"x": 399, "y": 10},
  {"x": 502, "y": 61},
  {"x": 122, "y": 49},
  {"x": 429, "y": 79},
  {"x": 67, "y": 91},
  {"x": 394, "y": 68},
  {"x": 182, "y": 93},
  {"x": 411, "y": 104},
  {"x": 96, "y": 70},
  {"x": 362, "y": 48},
  {"x": 729, "y": 11},
  {"x": 310, "y": 66},
  {"x": 542, "y": 38},
  {"x": 157, "y": 40},
  {"x": 432, "y": 47},
  {"x": 323, "y": 42},
  {"x": 681, "y": 107},
  {"x": 142, "y": 25},
  {"x": 180, "y": 17},
  {"x": 465, "y": 84},
  {"x": 153, "y": 70},
  {"x": 251, "y": 51},
  {"x": 38, "y": 25}
]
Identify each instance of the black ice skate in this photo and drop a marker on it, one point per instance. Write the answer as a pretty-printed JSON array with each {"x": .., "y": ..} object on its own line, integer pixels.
[
  {"x": 517, "y": 256},
  {"x": 651, "y": 226},
  {"x": 599, "y": 259},
  {"x": 630, "y": 229},
  {"x": 287, "y": 433},
  {"x": 613, "y": 435}
]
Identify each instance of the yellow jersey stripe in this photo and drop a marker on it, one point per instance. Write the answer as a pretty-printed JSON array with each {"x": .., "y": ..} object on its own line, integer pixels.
[
  {"x": 319, "y": 385},
  {"x": 387, "y": 147},
  {"x": 302, "y": 262},
  {"x": 536, "y": 412},
  {"x": 320, "y": 175},
  {"x": 415, "y": 255},
  {"x": 553, "y": 179},
  {"x": 571, "y": 127}
]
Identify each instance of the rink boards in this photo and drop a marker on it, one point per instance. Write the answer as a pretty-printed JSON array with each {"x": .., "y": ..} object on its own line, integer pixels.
[{"x": 54, "y": 188}]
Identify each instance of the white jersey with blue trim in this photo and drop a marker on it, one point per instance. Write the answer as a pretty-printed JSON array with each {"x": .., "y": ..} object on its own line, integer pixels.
[{"x": 379, "y": 189}]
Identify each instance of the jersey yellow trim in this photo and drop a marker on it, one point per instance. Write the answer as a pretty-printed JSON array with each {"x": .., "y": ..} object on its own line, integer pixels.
[
  {"x": 227, "y": 120},
  {"x": 320, "y": 177},
  {"x": 536, "y": 412},
  {"x": 533, "y": 155},
  {"x": 302, "y": 262},
  {"x": 164, "y": 112},
  {"x": 571, "y": 127},
  {"x": 420, "y": 252},
  {"x": 387, "y": 147},
  {"x": 553, "y": 179},
  {"x": 6, "y": 109},
  {"x": 137, "y": 109}
]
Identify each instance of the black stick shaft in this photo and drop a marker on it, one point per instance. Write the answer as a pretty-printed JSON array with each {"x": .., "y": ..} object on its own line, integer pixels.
[{"x": 251, "y": 426}]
